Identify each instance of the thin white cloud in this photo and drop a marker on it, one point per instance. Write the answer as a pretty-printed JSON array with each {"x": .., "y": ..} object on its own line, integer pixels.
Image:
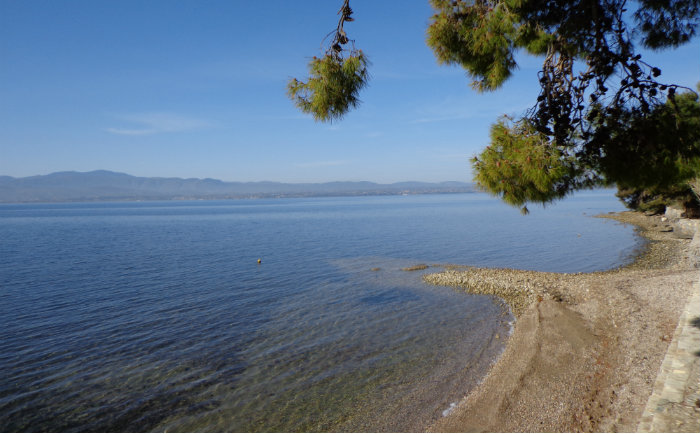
[
  {"x": 156, "y": 123},
  {"x": 258, "y": 69},
  {"x": 322, "y": 164},
  {"x": 474, "y": 107},
  {"x": 126, "y": 132},
  {"x": 455, "y": 117},
  {"x": 466, "y": 156}
]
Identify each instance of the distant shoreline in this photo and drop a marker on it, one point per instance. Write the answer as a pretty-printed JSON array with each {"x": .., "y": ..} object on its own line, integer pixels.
[
  {"x": 586, "y": 347},
  {"x": 249, "y": 197},
  {"x": 106, "y": 186}
]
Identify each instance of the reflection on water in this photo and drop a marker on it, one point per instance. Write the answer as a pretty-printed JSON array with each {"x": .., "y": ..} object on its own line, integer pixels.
[{"x": 156, "y": 316}]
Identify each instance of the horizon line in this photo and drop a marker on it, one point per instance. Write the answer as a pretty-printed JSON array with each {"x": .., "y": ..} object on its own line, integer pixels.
[{"x": 227, "y": 181}]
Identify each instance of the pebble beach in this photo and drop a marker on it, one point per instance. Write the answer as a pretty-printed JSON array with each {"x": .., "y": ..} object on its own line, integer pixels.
[{"x": 586, "y": 347}]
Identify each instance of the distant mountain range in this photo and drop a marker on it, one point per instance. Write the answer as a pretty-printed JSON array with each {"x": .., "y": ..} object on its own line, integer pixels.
[{"x": 103, "y": 185}]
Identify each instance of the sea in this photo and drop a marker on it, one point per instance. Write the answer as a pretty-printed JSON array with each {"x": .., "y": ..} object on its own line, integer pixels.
[{"x": 290, "y": 314}]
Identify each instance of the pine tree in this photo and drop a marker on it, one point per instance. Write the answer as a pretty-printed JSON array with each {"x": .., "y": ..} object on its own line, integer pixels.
[
  {"x": 597, "y": 96},
  {"x": 335, "y": 80},
  {"x": 655, "y": 160}
]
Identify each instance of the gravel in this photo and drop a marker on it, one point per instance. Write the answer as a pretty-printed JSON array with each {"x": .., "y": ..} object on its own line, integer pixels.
[{"x": 586, "y": 347}]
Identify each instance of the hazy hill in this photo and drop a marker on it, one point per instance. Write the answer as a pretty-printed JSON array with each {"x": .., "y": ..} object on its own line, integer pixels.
[{"x": 102, "y": 185}]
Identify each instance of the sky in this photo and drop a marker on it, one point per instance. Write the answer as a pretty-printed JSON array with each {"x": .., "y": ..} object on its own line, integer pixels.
[{"x": 197, "y": 89}]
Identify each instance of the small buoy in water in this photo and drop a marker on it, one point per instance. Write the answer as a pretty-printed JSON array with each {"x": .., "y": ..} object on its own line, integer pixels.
[{"x": 259, "y": 261}]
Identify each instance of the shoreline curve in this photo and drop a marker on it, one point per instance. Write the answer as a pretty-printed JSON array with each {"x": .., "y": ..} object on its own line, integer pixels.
[{"x": 586, "y": 347}]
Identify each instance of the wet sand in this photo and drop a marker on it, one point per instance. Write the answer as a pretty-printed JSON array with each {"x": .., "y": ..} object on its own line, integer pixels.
[{"x": 586, "y": 348}]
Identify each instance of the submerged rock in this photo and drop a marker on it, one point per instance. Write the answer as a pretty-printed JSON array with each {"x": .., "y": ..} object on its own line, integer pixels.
[{"x": 415, "y": 267}]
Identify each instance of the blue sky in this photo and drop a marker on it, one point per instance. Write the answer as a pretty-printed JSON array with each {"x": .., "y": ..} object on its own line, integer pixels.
[{"x": 197, "y": 89}]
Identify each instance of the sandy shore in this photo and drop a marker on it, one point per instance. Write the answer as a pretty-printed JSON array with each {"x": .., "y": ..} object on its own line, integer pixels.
[{"x": 586, "y": 348}]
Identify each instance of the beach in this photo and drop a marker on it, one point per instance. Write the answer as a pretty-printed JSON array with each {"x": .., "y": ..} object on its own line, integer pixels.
[
  {"x": 587, "y": 347},
  {"x": 156, "y": 316}
]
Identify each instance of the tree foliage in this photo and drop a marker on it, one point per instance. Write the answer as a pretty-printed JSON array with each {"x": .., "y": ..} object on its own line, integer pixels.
[
  {"x": 589, "y": 55},
  {"x": 597, "y": 95},
  {"x": 600, "y": 110},
  {"x": 335, "y": 80},
  {"x": 480, "y": 37},
  {"x": 651, "y": 158},
  {"x": 658, "y": 150},
  {"x": 655, "y": 161},
  {"x": 656, "y": 201},
  {"x": 521, "y": 165},
  {"x": 333, "y": 87}
]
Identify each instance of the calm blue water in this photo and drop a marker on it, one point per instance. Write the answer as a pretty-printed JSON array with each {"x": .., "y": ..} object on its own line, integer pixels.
[{"x": 156, "y": 316}]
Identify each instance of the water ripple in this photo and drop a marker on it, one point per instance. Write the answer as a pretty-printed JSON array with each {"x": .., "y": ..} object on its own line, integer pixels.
[{"x": 156, "y": 316}]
